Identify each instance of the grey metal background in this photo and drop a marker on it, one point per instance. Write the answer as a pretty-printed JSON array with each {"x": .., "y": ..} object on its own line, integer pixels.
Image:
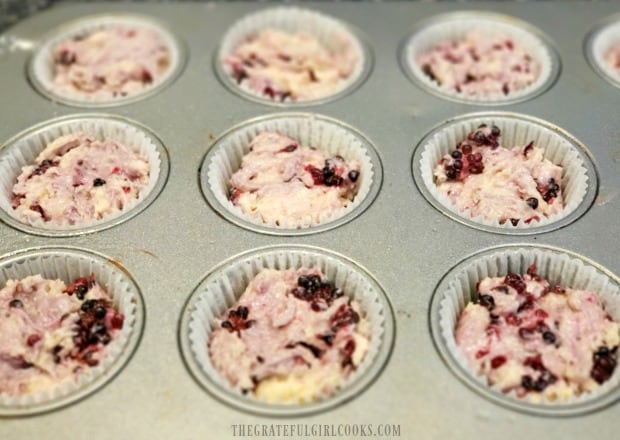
[{"x": 400, "y": 239}]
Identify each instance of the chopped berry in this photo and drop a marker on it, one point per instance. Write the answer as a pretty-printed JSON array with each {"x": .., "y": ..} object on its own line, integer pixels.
[
  {"x": 428, "y": 71},
  {"x": 316, "y": 352},
  {"x": 318, "y": 293},
  {"x": 33, "y": 339},
  {"x": 498, "y": 361},
  {"x": 528, "y": 148},
  {"x": 526, "y": 333},
  {"x": 549, "y": 337},
  {"x": 289, "y": 148},
  {"x": 486, "y": 301},
  {"x": 66, "y": 58},
  {"x": 98, "y": 182},
  {"x": 237, "y": 320},
  {"x": 343, "y": 317},
  {"x": 512, "y": 319},
  {"x": 532, "y": 202},
  {"x": 515, "y": 281},
  {"x": 604, "y": 364},
  {"x": 495, "y": 131},
  {"x": 514, "y": 221},
  {"x": 353, "y": 175},
  {"x": 16, "y": 304}
]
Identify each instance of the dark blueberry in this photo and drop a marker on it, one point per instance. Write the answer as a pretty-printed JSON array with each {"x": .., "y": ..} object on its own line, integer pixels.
[
  {"x": 88, "y": 304},
  {"x": 457, "y": 164},
  {"x": 309, "y": 282},
  {"x": 514, "y": 221},
  {"x": 99, "y": 328},
  {"x": 456, "y": 154},
  {"x": 527, "y": 382},
  {"x": 549, "y": 337},
  {"x": 17, "y": 304},
  {"x": 480, "y": 137},
  {"x": 532, "y": 202},
  {"x": 353, "y": 175},
  {"x": 486, "y": 301},
  {"x": 427, "y": 69},
  {"x": 80, "y": 291},
  {"x": 98, "y": 182},
  {"x": 451, "y": 173},
  {"x": 100, "y": 312},
  {"x": 260, "y": 359},
  {"x": 604, "y": 364},
  {"x": 505, "y": 89},
  {"x": 495, "y": 131}
]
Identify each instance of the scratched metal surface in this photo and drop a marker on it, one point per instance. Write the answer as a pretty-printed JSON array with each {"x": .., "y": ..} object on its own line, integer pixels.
[{"x": 405, "y": 243}]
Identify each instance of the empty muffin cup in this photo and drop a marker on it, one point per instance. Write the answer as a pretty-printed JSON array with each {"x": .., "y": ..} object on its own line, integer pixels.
[
  {"x": 292, "y": 78},
  {"x": 603, "y": 49},
  {"x": 336, "y": 139},
  {"x": 561, "y": 268},
  {"x": 518, "y": 133},
  {"x": 68, "y": 265},
  {"x": 526, "y": 60},
  {"x": 119, "y": 76},
  {"x": 147, "y": 164},
  {"x": 223, "y": 286}
]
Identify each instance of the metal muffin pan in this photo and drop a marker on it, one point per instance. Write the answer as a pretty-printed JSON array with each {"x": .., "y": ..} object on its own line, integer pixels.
[{"x": 401, "y": 240}]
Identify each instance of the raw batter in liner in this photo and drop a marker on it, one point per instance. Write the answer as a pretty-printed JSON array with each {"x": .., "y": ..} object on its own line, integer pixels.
[
  {"x": 112, "y": 62},
  {"x": 51, "y": 332},
  {"x": 294, "y": 67},
  {"x": 480, "y": 64},
  {"x": 534, "y": 338},
  {"x": 482, "y": 178},
  {"x": 292, "y": 337},
  {"x": 283, "y": 183},
  {"x": 78, "y": 178}
]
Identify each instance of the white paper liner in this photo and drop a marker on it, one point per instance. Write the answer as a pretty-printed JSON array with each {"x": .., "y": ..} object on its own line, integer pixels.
[
  {"x": 67, "y": 266},
  {"x": 454, "y": 27},
  {"x": 515, "y": 132},
  {"x": 309, "y": 131},
  {"x": 220, "y": 291},
  {"x": 24, "y": 150},
  {"x": 557, "y": 268},
  {"x": 602, "y": 42},
  {"x": 42, "y": 63},
  {"x": 329, "y": 31}
]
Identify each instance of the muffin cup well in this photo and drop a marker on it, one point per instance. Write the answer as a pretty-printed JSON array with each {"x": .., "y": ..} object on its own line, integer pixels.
[
  {"x": 67, "y": 264},
  {"x": 222, "y": 287},
  {"x": 310, "y": 130},
  {"x": 330, "y": 32},
  {"x": 23, "y": 149},
  {"x": 458, "y": 287},
  {"x": 454, "y": 26},
  {"x": 599, "y": 42},
  {"x": 41, "y": 65},
  {"x": 579, "y": 177}
]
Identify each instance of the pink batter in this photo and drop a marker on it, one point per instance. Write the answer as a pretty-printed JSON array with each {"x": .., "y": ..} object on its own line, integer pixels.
[
  {"x": 527, "y": 335},
  {"x": 114, "y": 61},
  {"x": 290, "y": 185},
  {"x": 50, "y": 332},
  {"x": 480, "y": 65},
  {"x": 485, "y": 179},
  {"x": 612, "y": 58},
  {"x": 78, "y": 178},
  {"x": 292, "y": 337},
  {"x": 294, "y": 67}
]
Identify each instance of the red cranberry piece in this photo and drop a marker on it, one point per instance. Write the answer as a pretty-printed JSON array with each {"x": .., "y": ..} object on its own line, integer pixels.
[
  {"x": 343, "y": 317},
  {"x": 526, "y": 333},
  {"x": 289, "y": 149},
  {"x": 33, "y": 339},
  {"x": 117, "y": 321},
  {"x": 498, "y": 361},
  {"x": 466, "y": 148},
  {"x": 528, "y": 148},
  {"x": 317, "y": 174},
  {"x": 481, "y": 353},
  {"x": 66, "y": 58},
  {"x": 512, "y": 319},
  {"x": 37, "y": 208},
  {"x": 515, "y": 281}
]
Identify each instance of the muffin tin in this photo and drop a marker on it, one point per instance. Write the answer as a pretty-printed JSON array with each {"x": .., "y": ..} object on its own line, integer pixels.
[{"x": 399, "y": 239}]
